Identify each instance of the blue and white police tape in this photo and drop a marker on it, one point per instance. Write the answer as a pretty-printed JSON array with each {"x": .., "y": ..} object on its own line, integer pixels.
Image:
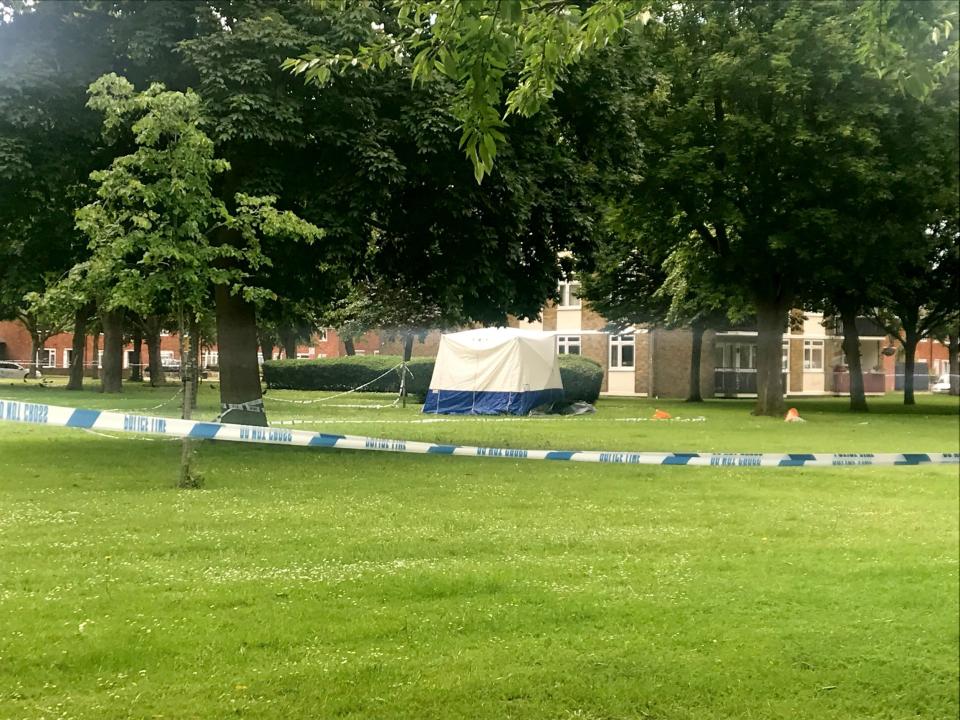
[{"x": 53, "y": 415}]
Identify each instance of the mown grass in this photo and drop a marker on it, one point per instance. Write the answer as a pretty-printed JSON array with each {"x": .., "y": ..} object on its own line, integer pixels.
[{"x": 318, "y": 583}]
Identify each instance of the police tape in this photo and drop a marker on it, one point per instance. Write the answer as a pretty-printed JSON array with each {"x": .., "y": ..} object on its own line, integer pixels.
[{"x": 53, "y": 415}]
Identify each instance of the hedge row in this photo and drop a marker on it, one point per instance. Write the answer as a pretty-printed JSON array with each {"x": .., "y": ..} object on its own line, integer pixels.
[
  {"x": 581, "y": 376},
  {"x": 347, "y": 373}
]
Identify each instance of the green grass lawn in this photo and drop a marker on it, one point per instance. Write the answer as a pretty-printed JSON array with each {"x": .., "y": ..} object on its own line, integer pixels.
[{"x": 305, "y": 583}]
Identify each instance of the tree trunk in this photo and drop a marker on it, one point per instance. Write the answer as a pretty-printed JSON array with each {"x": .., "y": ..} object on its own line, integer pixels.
[
  {"x": 349, "y": 347},
  {"x": 79, "y": 347},
  {"x": 152, "y": 326},
  {"x": 112, "y": 380},
  {"x": 953, "y": 352},
  {"x": 407, "y": 347},
  {"x": 851, "y": 349},
  {"x": 197, "y": 344},
  {"x": 289, "y": 340},
  {"x": 95, "y": 360},
  {"x": 771, "y": 321},
  {"x": 239, "y": 372},
  {"x": 909, "y": 361},
  {"x": 189, "y": 348},
  {"x": 36, "y": 342},
  {"x": 266, "y": 349},
  {"x": 136, "y": 364},
  {"x": 696, "y": 352}
]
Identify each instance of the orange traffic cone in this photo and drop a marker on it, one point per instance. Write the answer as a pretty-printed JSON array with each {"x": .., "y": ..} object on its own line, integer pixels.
[
  {"x": 793, "y": 416},
  {"x": 661, "y": 415}
]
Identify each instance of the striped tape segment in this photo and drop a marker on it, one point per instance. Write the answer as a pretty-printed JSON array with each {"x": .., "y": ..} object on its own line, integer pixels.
[{"x": 53, "y": 415}]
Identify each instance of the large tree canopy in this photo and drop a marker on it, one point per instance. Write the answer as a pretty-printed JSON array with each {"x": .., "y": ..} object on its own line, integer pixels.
[{"x": 762, "y": 121}]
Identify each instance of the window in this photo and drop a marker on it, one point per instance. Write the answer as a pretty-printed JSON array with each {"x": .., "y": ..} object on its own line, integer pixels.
[
  {"x": 622, "y": 352},
  {"x": 568, "y": 344},
  {"x": 785, "y": 356},
  {"x": 211, "y": 358},
  {"x": 813, "y": 354},
  {"x": 321, "y": 336},
  {"x": 49, "y": 357},
  {"x": 67, "y": 357},
  {"x": 304, "y": 356},
  {"x": 569, "y": 293},
  {"x": 739, "y": 356}
]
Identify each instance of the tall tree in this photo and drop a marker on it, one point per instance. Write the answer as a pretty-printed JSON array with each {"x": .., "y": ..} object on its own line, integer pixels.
[
  {"x": 151, "y": 225},
  {"x": 761, "y": 114}
]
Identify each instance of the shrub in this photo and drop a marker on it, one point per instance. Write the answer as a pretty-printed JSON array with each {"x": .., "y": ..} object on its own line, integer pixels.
[
  {"x": 582, "y": 378},
  {"x": 347, "y": 373}
]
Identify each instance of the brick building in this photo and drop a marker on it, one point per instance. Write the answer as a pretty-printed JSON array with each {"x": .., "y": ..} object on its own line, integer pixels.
[{"x": 54, "y": 357}]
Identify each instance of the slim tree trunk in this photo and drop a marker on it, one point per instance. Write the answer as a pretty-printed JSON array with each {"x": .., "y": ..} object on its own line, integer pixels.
[
  {"x": 909, "y": 360},
  {"x": 953, "y": 352},
  {"x": 349, "y": 347},
  {"x": 851, "y": 348},
  {"x": 95, "y": 360},
  {"x": 79, "y": 347},
  {"x": 239, "y": 372},
  {"x": 196, "y": 345},
  {"x": 152, "y": 326},
  {"x": 189, "y": 342},
  {"x": 136, "y": 363},
  {"x": 696, "y": 352},
  {"x": 112, "y": 381},
  {"x": 407, "y": 347},
  {"x": 771, "y": 321}
]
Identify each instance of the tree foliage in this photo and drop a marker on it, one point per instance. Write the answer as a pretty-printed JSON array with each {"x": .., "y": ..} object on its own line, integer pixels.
[{"x": 504, "y": 57}]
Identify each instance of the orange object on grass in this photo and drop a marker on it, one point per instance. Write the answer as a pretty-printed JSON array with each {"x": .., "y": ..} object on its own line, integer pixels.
[
  {"x": 792, "y": 415},
  {"x": 661, "y": 415}
]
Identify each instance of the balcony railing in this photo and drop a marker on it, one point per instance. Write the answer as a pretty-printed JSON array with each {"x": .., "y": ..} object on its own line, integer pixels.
[{"x": 732, "y": 382}]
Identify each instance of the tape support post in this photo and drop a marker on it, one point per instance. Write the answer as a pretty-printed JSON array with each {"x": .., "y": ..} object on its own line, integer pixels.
[{"x": 56, "y": 416}]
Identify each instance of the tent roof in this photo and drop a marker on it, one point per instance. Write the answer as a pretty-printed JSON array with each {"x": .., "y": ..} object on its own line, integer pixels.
[{"x": 493, "y": 337}]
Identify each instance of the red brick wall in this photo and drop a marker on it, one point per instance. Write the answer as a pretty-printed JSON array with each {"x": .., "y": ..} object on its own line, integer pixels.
[{"x": 14, "y": 342}]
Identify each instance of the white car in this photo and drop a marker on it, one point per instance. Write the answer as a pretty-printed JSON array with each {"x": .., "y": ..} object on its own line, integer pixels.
[
  {"x": 12, "y": 371},
  {"x": 942, "y": 385}
]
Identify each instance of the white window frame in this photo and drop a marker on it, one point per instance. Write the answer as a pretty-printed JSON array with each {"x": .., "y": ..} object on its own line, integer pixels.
[
  {"x": 49, "y": 357},
  {"x": 304, "y": 356},
  {"x": 740, "y": 356},
  {"x": 617, "y": 343},
  {"x": 785, "y": 356},
  {"x": 211, "y": 357},
  {"x": 568, "y": 295},
  {"x": 67, "y": 356},
  {"x": 565, "y": 343},
  {"x": 809, "y": 353}
]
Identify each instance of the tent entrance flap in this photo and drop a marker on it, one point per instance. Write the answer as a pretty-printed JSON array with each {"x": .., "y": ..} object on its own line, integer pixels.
[{"x": 494, "y": 371}]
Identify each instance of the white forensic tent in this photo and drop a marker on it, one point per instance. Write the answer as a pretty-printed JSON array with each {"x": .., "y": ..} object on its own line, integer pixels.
[{"x": 494, "y": 371}]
